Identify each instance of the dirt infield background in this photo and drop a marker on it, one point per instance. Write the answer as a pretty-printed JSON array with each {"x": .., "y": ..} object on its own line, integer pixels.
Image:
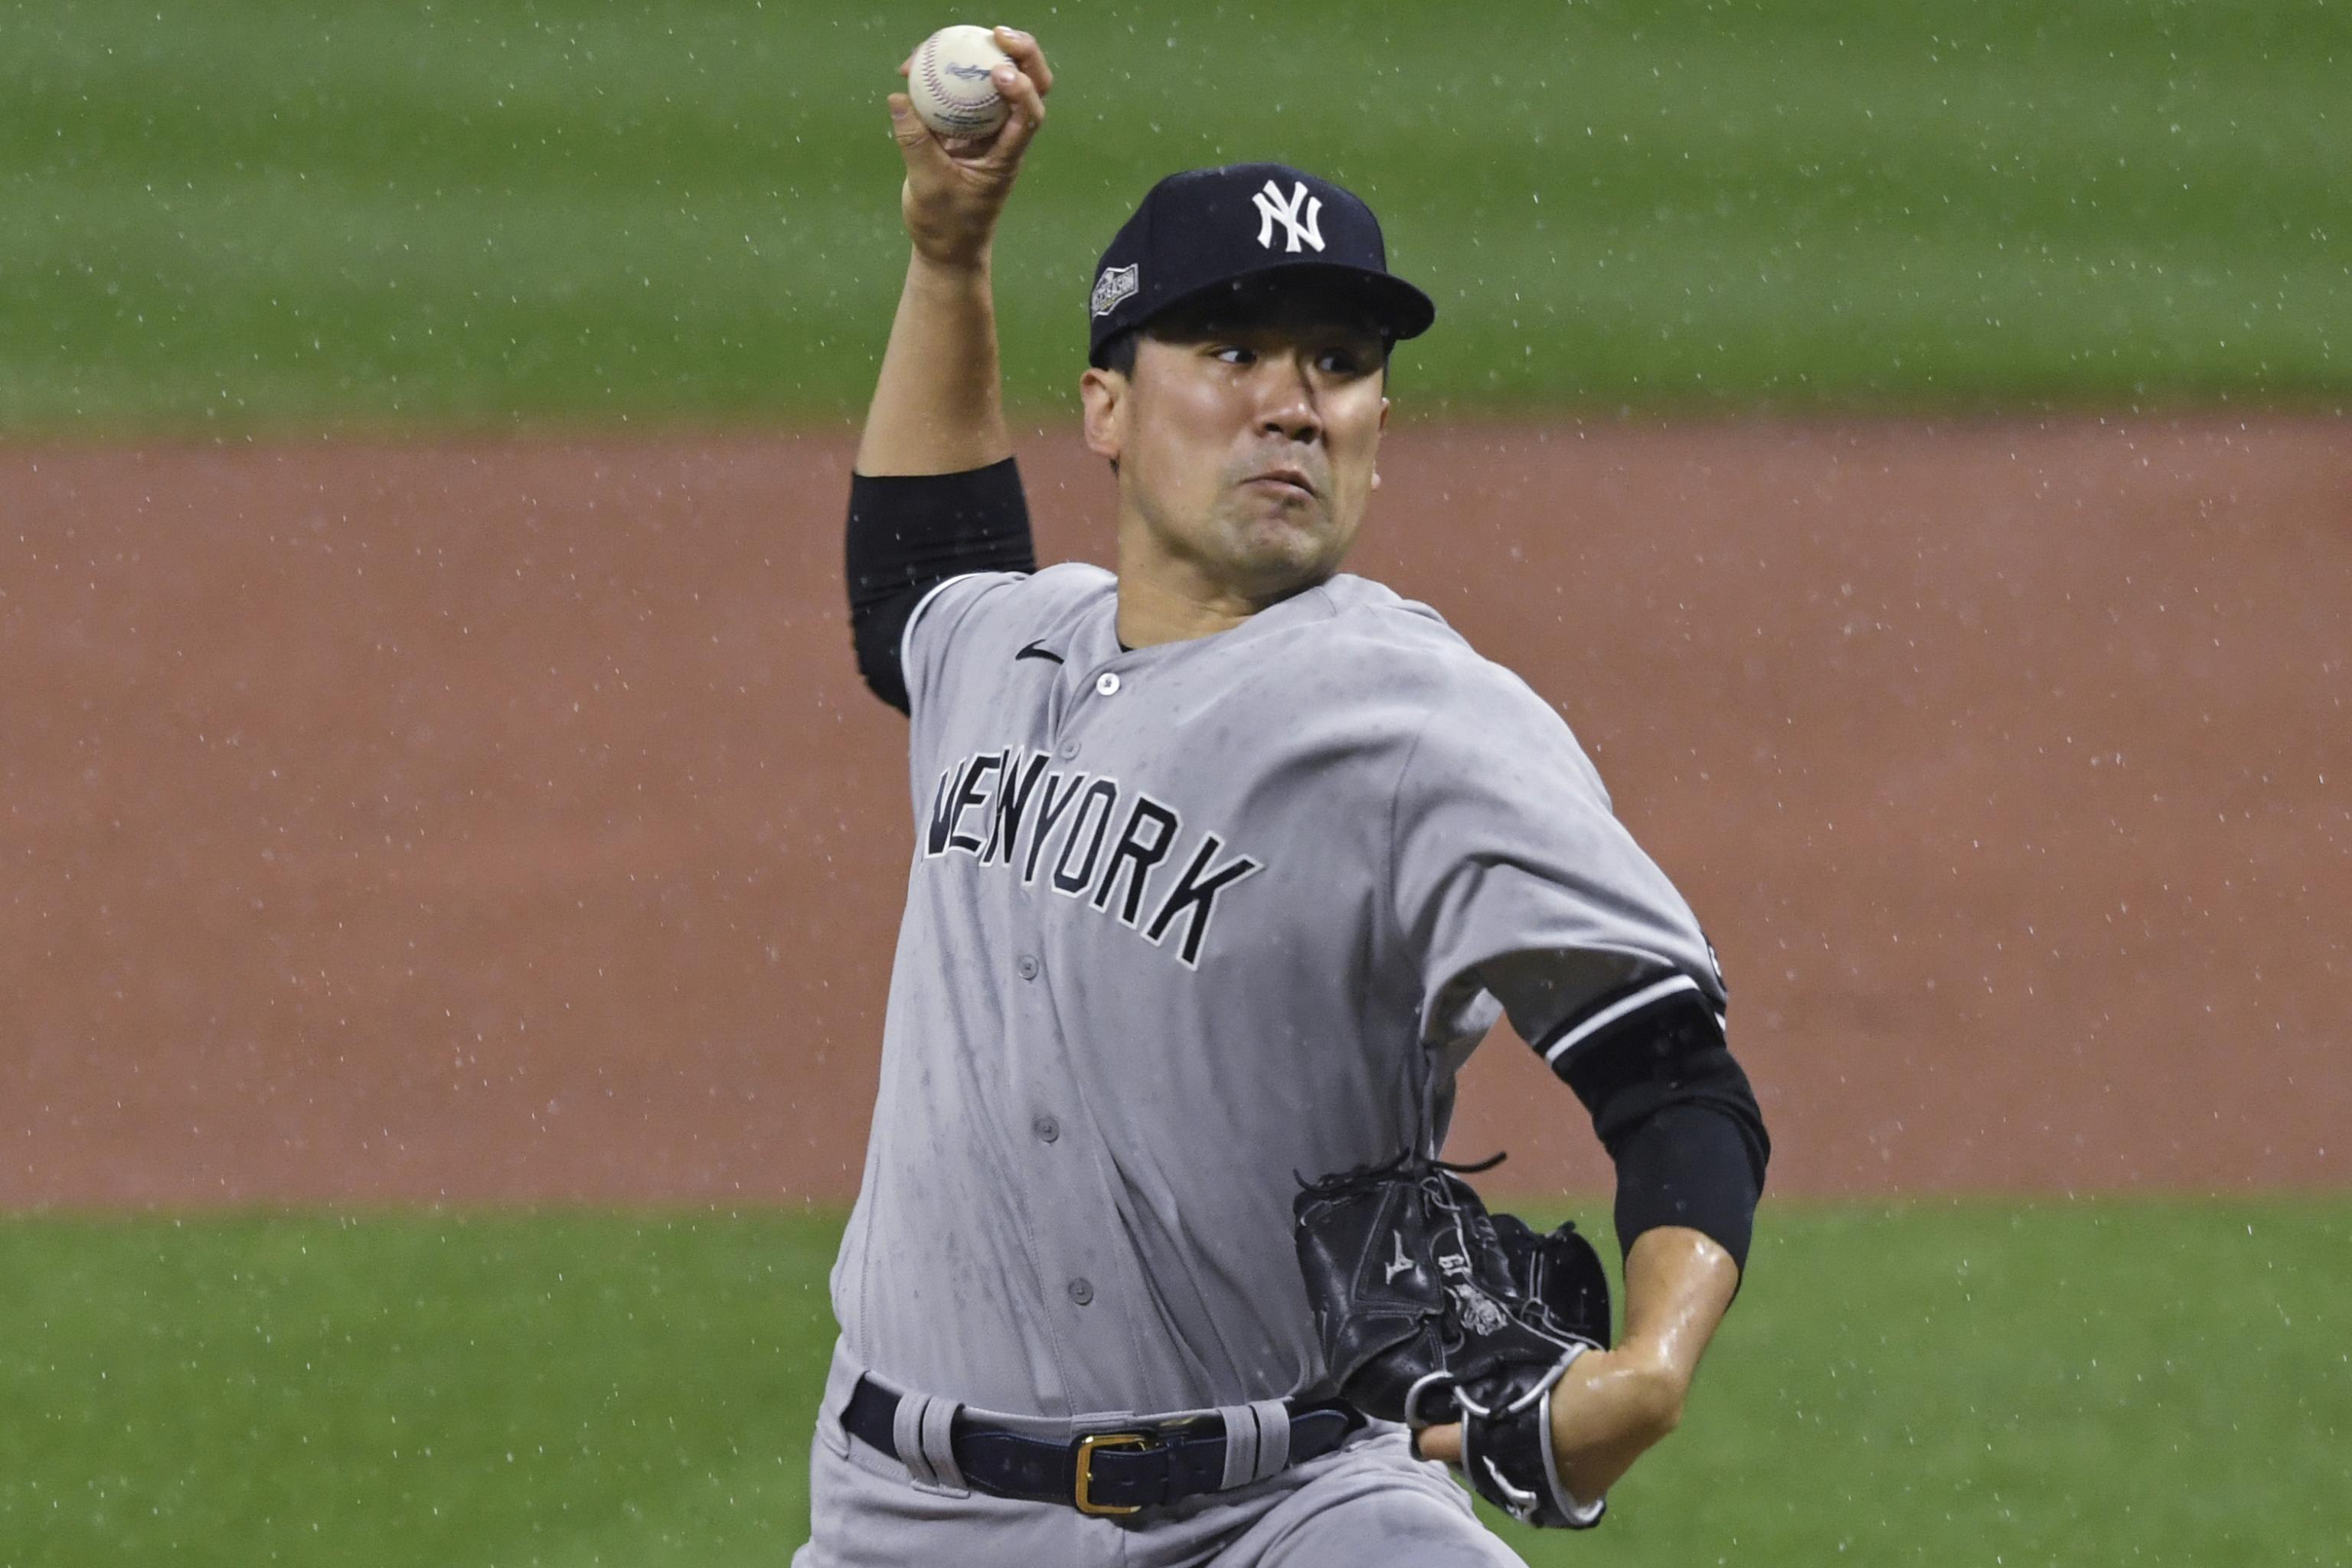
[{"x": 506, "y": 821}]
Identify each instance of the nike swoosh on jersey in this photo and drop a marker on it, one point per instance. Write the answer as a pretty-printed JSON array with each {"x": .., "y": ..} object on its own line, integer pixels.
[{"x": 1037, "y": 650}]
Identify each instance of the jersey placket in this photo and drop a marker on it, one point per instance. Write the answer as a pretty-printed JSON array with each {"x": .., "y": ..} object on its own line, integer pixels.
[{"x": 1087, "y": 1286}]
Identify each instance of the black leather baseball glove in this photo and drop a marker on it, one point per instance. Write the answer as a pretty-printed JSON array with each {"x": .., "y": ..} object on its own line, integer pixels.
[{"x": 1431, "y": 1311}]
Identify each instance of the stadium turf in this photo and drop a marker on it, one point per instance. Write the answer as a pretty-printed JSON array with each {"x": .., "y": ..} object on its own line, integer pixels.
[
  {"x": 2161, "y": 1383},
  {"x": 284, "y": 213}
]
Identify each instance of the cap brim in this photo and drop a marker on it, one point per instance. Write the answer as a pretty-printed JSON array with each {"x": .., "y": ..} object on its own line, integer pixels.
[{"x": 1401, "y": 309}]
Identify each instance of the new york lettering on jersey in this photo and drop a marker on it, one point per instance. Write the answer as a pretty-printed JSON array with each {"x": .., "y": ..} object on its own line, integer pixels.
[{"x": 1010, "y": 808}]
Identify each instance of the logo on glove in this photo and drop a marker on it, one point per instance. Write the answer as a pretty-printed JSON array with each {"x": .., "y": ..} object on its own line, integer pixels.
[{"x": 1481, "y": 1313}]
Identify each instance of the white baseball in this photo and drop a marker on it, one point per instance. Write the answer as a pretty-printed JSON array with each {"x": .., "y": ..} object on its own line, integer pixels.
[{"x": 949, "y": 83}]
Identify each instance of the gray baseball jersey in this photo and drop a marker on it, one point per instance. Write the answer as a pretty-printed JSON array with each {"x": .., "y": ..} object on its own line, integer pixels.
[{"x": 1185, "y": 924}]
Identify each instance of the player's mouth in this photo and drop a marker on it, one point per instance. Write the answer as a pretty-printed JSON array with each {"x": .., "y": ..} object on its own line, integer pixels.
[{"x": 1284, "y": 481}]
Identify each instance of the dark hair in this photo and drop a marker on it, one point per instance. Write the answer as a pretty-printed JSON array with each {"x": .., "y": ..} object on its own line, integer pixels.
[{"x": 1118, "y": 353}]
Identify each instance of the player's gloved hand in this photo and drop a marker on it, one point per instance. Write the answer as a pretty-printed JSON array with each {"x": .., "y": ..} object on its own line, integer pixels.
[
  {"x": 1435, "y": 1313},
  {"x": 956, "y": 187},
  {"x": 1609, "y": 1408}
]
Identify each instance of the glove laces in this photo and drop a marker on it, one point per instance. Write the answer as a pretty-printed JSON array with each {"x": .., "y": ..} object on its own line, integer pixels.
[{"x": 1397, "y": 1165}]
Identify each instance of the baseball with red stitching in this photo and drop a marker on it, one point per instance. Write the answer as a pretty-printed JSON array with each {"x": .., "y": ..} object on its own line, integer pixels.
[{"x": 949, "y": 82}]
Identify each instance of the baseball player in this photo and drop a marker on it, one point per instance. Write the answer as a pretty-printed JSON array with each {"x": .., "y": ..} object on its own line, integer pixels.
[{"x": 1223, "y": 865}]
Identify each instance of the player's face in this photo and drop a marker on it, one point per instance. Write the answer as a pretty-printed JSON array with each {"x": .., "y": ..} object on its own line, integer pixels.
[{"x": 1245, "y": 450}]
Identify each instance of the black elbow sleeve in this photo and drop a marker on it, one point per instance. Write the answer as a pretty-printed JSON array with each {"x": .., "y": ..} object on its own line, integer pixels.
[
  {"x": 909, "y": 534},
  {"x": 875, "y": 634},
  {"x": 1692, "y": 1165},
  {"x": 1681, "y": 1123}
]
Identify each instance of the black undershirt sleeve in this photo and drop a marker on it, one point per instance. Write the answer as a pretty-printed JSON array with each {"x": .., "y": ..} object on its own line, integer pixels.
[
  {"x": 909, "y": 534},
  {"x": 1681, "y": 1124}
]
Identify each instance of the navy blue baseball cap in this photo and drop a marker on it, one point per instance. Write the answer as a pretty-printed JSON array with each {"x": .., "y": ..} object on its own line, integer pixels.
[{"x": 1243, "y": 225}]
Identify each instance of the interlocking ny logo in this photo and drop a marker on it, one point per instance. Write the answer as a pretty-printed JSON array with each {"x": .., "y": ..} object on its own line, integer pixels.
[{"x": 1272, "y": 210}]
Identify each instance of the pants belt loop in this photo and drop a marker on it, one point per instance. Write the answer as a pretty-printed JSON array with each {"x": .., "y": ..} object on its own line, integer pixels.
[
  {"x": 1241, "y": 1446},
  {"x": 1257, "y": 1441},
  {"x": 921, "y": 1431},
  {"x": 1272, "y": 1437},
  {"x": 938, "y": 1446}
]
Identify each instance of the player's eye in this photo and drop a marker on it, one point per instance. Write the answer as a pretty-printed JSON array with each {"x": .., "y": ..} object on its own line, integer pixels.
[
  {"x": 1341, "y": 362},
  {"x": 1234, "y": 353}
]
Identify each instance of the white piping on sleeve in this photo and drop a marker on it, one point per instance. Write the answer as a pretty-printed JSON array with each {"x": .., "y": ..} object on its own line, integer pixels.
[
  {"x": 907, "y": 633},
  {"x": 1607, "y": 1015}
]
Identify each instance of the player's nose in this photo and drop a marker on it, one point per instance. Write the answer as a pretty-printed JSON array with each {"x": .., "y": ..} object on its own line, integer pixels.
[{"x": 1288, "y": 405}]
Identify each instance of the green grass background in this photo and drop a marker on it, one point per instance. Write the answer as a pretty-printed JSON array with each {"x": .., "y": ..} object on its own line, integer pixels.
[
  {"x": 251, "y": 213},
  {"x": 1955, "y": 1383}
]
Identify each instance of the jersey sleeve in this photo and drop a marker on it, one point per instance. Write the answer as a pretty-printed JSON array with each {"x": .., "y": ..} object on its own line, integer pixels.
[
  {"x": 927, "y": 645},
  {"x": 1517, "y": 889}
]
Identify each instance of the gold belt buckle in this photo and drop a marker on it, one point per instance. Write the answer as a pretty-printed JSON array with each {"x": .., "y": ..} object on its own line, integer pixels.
[{"x": 1087, "y": 1447}]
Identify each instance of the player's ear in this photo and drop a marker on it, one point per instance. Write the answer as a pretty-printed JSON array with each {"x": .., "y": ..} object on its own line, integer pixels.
[
  {"x": 1384, "y": 414},
  {"x": 1103, "y": 396}
]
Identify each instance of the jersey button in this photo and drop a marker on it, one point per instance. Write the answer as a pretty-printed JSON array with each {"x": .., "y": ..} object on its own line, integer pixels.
[
  {"x": 1107, "y": 684},
  {"x": 1081, "y": 1291},
  {"x": 1069, "y": 749},
  {"x": 1048, "y": 1131},
  {"x": 1025, "y": 967}
]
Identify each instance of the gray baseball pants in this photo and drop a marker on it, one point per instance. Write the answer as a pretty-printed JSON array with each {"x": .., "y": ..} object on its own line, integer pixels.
[{"x": 1370, "y": 1501}]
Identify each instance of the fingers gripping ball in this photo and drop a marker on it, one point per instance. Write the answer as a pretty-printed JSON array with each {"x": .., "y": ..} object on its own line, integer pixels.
[
  {"x": 947, "y": 82},
  {"x": 1431, "y": 1311}
]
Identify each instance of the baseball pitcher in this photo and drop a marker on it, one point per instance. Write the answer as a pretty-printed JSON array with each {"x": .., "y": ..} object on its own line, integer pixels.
[{"x": 1222, "y": 864}]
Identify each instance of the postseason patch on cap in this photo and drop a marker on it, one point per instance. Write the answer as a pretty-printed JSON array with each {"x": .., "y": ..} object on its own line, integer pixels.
[{"x": 1116, "y": 283}]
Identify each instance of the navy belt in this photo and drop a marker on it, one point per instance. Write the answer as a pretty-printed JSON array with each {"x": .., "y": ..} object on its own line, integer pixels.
[{"x": 1115, "y": 1471}]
